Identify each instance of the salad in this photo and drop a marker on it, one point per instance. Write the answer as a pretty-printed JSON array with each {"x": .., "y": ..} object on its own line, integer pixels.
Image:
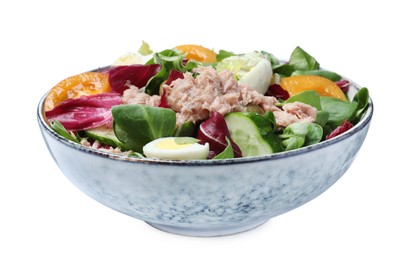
[{"x": 193, "y": 103}]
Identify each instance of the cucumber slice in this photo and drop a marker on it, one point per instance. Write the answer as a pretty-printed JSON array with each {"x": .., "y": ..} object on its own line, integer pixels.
[
  {"x": 253, "y": 133},
  {"x": 105, "y": 136}
]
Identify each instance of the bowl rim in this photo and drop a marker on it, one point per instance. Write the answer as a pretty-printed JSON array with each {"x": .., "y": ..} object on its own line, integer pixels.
[{"x": 365, "y": 120}]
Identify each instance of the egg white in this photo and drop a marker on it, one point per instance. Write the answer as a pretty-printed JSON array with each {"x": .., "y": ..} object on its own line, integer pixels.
[
  {"x": 164, "y": 148},
  {"x": 259, "y": 77}
]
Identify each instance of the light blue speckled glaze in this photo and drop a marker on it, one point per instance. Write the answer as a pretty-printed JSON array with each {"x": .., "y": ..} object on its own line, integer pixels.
[{"x": 207, "y": 198}]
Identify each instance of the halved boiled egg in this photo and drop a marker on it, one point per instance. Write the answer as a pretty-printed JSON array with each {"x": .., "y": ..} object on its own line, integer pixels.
[{"x": 176, "y": 148}]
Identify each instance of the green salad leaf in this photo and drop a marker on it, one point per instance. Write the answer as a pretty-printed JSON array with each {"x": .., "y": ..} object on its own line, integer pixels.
[
  {"x": 300, "y": 134},
  {"x": 301, "y": 63},
  {"x": 226, "y": 153},
  {"x": 144, "y": 49},
  {"x": 186, "y": 140},
  {"x": 322, "y": 73},
  {"x": 137, "y": 125},
  {"x": 273, "y": 60},
  {"x": 284, "y": 70},
  {"x": 310, "y": 97},
  {"x": 301, "y": 60},
  {"x": 222, "y": 54},
  {"x": 338, "y": 110},
  {"x": 60, "y": 129},
  {"x": 185, "y": 129},
  {"x": 361, "y": 98},
  {"x": 168, "y": 59},
  {"x": 322, "y": 118}
]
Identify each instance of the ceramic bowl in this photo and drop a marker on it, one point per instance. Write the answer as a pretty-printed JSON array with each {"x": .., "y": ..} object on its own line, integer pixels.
[{"x": 210, "y": 197}]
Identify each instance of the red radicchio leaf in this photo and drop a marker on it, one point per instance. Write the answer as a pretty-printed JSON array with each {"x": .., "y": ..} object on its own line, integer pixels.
[
  {"x": 275, "y": 90},
  {"x": 174, "y": 74},
  {"x": 343, "y": 85},
  {"x": 163, "y": 100},
  {"x": 214, "y": 131},
  {"x": 85, "y": 112},
  {"x": 137, "y": 75},
  {"x": 345, "y": 126}
]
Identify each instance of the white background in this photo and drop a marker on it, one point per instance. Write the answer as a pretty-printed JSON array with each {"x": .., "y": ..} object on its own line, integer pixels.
[{"x": 367, "y": 214}]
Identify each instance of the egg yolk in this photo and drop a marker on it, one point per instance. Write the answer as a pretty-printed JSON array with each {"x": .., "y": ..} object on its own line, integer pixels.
[{"x": 170, "y": 144}]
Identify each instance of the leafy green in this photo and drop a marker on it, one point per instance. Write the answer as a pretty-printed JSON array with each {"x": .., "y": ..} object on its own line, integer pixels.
[
  {"x": 322, "y": 118},
  {"x": 224, "y": 54},
  {"x": 309, "y": 97},
  {"x": 322, "y": 73},
  {"x": 284, "y": 70},
  {"x": 301, "y": 60},
  {"x": 271, "y": 119},
  {"x": 338, "y": 110},
  {"x": 361, "y": 98},
  {"x": 169, "y": 59},
  {"x": 302, "y": 63},
  {"x": 60, "y": 129},
  {"x": 300, "y": 134},
  {"x": 137, "y": 125},
  {"x": 186, "y": 140},
  {"x": 293, "y": 142},
  {"x": 144, "y": 49},
  {"x": 273, "y": 60},
  {"x": 226, "y": 153},
  {"x": 186, "y": 129},
  {"x": 135, "y": 155},
  {"x": 240, "y": 65}
]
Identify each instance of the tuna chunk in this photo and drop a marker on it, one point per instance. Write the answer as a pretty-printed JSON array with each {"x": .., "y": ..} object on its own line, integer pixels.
[
  {"x": 195, "y": 99},
  {"x": 133, "y": 95},
  {"x": 295, "y": 112}
]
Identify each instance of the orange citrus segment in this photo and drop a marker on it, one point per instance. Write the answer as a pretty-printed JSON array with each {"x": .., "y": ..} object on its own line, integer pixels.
[
  {"x": 323, "y": 86},
  {"x": 88, "y": 83},
  {"x": 198, "y": 53}
]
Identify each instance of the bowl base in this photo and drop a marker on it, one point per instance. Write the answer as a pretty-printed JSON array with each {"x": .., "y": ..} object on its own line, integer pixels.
[{"x": 208, "y": 231}]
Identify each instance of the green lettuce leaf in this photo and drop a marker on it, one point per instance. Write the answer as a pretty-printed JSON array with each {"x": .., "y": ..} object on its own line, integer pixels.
[
  {"x": 301, "y": 60},
  {"x": 61, "y": 130},
  {"x": 137, "y": 125},
  {"x": 338, "y": 110},
  {"x": 300, "y": 134},
  {"x": 226, "y": 153},
  {"x": 169, "y": 59}
]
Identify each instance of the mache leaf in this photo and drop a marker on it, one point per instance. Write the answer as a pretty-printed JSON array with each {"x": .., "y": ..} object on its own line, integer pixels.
[
  {"x": 169, "y": 60},
  {"x": 224, "y": 54},
  {"x": 361, "y": 98},
  {"x": 226, "y": 153},
  {"x": 300, "y": 134},
  {"x": 301, "y": 60},
  {"x": 338, "y": 110},
  {"x": 60, "y": 129},
  {"x": 309, "y": 97},
  {"x": 137, "y": 125}
]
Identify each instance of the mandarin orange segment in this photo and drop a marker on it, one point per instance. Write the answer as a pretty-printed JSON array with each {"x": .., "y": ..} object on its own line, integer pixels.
[
  {"x": 323, "y": 86},
  {"x": 87, "y": 83},
  {"x": 198, "y": 53}
]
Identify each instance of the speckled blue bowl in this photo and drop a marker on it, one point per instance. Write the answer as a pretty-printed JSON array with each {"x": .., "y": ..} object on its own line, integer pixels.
[{"x": 207, "y": 198}]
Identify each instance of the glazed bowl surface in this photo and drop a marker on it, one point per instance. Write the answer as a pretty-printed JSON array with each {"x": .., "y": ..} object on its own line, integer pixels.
[{"x": 207, "y": 197}]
